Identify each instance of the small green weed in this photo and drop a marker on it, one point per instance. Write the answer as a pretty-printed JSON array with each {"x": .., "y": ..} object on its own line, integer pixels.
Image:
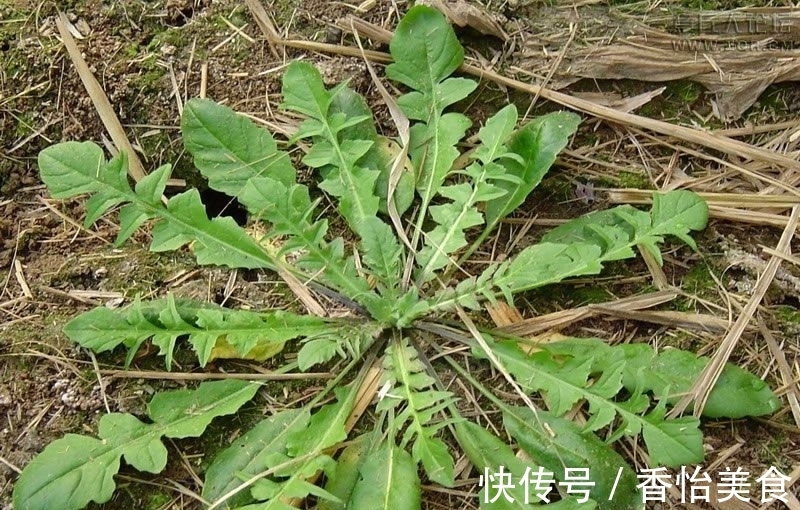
[{"x": 399, "y": 279}]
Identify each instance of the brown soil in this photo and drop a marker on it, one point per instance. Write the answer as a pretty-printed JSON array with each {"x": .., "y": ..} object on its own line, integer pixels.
[{"x": 49, "y": 387}]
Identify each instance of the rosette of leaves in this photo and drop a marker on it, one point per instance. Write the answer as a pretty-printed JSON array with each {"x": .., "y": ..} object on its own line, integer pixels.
[{"x": 412, "y": 205}]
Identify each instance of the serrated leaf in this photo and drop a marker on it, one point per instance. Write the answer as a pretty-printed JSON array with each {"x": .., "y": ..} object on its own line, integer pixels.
[
  {"x": 172, "y": 321},
  {"x": 305, "y": 456},
  {"x": 452, "y": 219},
  {"x": 183, "y": 220},
  {"x": 555, "y": 444},
  {"x": 316, "y": 351},
  {"x": 425, "y": 50},
  {"x": 70, "y": 169},
  {"x": 671, "y": 373},
  {"x": 677, "y": 213},
  {"x": 380, "y": 155},
  {"x": 230, "y": 150},
  {"x": 249, "y": 455},
  {"x": 580, "y": 247},
  {"x": 415, "y": 401},
  {"x": 291, "y": 213},
  {"x": 616, "y": 230},
  {"x": 494, "y": 133},
  {"x": 219, "y": 241},
  {"x": 565, "y": 382},
  {"x": 546, "y": 263},
  {"x": 489, "y": 454},
  {"x": 247, "y": 333},
  {"x": 433, "y": 151},
  {"x": 388, "y": 481},
  {"x": 75, "y": 470},
  {"x": 537, "y": 144},
  {"x": 435, "y": 457},
  {"x": 383, "y": 255},
  {"x": 461, "y": 213},
  {"x": 354, "y": 185},
  {"x": 152, "y": 186}
]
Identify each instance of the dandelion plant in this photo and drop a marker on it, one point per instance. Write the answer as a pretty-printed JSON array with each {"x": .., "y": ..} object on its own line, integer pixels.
[{"x": 404, "y": 281}]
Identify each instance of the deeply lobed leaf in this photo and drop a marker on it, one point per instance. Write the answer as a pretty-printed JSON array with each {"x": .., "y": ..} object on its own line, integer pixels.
[
  {"x": 75, "y": 470},
  {"x": 292, "y": 448},
  {"x": 536, "y": 144},
  {"x": 70, "y": 169},
  {"x": 461, "y": 212},
  {"x": 670, "y": 373},
  {"x": 409, "y": 391},
  {"x": 565, "y": 383},
  {"x": 212, "y": 331},
  {"x": 354, "y": 186},
  {"x": 614, "y": 481},
  {"x": 580, "y": 247}
]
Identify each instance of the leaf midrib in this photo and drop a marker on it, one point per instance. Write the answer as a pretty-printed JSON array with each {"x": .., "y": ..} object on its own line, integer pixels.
[
  {"x": 153, "y": 430},
  {"x": 590, "y": 397}
]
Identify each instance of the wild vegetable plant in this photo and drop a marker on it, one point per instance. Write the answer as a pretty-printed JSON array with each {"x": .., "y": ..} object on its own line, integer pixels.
[{"x": 411, "y": 205}]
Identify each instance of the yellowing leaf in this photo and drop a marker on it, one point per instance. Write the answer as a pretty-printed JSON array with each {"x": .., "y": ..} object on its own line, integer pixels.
[{"x": 261, "y": 352}]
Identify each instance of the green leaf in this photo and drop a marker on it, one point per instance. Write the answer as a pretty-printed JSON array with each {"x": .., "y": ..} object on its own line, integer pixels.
[
  {"x": 536, "y": 144},
  {"x": 316, "y": 351},
  {"x": 546, "y": 263},
  {"x": 408, "y": 384},
  {"x": 617, "y": 230},
  {"x": 383, "y": 255},
  {"x": 345, "y": 475},
  {"x": 304, "y": 91},
  {"x": 433, "y": 151},
  {"x": 102, "y": 329},
  {"x": 452, "y": 219},
  {"x": 349, "y": 340},
  {"x": 70, "y": 169},
  {"x": 555, "y": 444},
  {"x": 567, "y": 380},
  {"x": 435, "y": 457},
  {"x": 282, "y": 453},
  {"x": 249, "y": 455},
  {"x": 579, "y": 247},
  {"x": 344, "y": 161},
  {"x": 75, "y": 470},
  {"x": 290, "y": 211},
  {"x": 219, "y": 241},
  {"x": 494, "y": 134},
  {"x": 669, "y": 374},
  {"x": 230, "y": 150},
  {"x": 425, "y": 50},
  {"x": 672, "y": 372},
  {"x": 677, "y": 213},
  {"x": 381, "y": 154},
  {"x": 354, "y": 185},
  {"x": 490, "y": 455},
  {"x": 326, "y": 428},
  {"x": 461, "y": 213},
  {"x": 388, "y": 481}
]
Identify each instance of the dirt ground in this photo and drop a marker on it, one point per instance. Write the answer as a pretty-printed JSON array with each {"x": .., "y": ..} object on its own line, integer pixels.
[{"x": 149, "y": 58}]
